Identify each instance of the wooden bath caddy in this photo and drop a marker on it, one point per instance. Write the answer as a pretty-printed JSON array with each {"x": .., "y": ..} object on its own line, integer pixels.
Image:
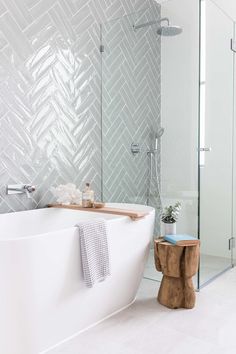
[{"x": 101, "y": 208}]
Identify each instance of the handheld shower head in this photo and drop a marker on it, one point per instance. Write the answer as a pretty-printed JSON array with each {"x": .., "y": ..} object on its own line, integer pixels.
[
  {"x": 158, "y": 135},
  {"x": 153, "y": 169},
  {"x": 160, "y": 132}
]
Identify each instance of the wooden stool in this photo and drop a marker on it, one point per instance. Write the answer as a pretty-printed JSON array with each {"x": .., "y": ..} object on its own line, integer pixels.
[{"x": 178, "y": 265}]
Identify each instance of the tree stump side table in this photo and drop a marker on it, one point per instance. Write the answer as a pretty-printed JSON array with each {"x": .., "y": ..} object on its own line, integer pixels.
[{"x": 178, "y": 265}]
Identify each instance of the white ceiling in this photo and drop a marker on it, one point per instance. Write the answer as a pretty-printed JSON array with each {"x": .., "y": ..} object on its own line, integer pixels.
[{"x": 228, "y": 6}]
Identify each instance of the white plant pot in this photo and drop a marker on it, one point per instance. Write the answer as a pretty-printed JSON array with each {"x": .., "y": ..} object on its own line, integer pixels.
[{"x": 170, "y": 229}]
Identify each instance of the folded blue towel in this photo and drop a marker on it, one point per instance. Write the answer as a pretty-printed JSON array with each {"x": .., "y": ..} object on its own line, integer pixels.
[{"x": 181, "y": 239}]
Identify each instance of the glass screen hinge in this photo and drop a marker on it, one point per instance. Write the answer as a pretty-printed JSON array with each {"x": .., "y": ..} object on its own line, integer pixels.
[
  {"x": 231, "y": 243},
  {"x": 233, "y": 45}
]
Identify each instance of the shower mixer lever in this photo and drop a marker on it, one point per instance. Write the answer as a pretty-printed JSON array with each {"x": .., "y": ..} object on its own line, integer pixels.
[{"x": 135, "y": 149}]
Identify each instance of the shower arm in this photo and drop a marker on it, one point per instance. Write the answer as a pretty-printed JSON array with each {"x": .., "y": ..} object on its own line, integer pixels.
[{"x": 136, "y": 27}]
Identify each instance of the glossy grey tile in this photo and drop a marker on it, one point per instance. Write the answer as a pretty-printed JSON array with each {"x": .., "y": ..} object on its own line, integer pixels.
[{"x": 50, "y": 75}]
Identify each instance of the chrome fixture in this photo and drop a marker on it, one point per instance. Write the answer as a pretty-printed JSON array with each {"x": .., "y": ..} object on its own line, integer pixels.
[
  {"x": 158, "y": 135},
  {"x": 20, "y": 189},
  {"x": 135, "y": 149},
  {"x": 233, "y": 45},
  {"x": 167, "y": 30},
  {"x": 205, "y": 149},
  {"x": 150, "y": 23},
  {"x": 153, "y": 173}
]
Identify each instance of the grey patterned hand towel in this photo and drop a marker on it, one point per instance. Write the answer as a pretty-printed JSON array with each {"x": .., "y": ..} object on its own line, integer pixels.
[{"x": 94, "y": 251}]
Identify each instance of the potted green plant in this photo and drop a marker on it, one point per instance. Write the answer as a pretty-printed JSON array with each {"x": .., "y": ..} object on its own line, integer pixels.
[{"x": 169, "y": 217}]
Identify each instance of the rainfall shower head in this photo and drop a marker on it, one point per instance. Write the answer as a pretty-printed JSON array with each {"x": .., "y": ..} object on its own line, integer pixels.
[{"x": 169, "y": 31}]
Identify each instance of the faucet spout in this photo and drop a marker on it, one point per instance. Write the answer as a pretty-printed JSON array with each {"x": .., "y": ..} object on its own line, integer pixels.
[{"x": 20, "y": 189}]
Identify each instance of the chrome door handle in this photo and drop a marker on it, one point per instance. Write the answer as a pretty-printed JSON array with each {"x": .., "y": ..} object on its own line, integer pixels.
[{"x": 206, "y": 149}]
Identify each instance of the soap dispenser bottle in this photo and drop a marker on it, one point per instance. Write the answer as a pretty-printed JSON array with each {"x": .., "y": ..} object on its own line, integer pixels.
[{"x": 87, "y": 197}]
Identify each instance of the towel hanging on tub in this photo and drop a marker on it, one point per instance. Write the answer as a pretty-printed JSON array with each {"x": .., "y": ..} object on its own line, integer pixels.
[{"x": 94, "y": 251}]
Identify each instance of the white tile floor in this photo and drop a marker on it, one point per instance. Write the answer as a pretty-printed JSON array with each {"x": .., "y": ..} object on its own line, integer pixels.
[{"x": 148, "y": 327}]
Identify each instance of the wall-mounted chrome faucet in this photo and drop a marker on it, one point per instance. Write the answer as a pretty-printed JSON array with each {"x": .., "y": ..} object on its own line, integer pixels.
[{"x": 20, "y": 189}]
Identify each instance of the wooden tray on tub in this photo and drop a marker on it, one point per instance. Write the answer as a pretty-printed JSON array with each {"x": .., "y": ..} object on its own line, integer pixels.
[{"x": 101, "y": 208}]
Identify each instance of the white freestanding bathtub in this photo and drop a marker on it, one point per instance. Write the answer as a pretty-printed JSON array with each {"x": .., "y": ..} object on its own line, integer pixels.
[{"x": 43, "y": 298}]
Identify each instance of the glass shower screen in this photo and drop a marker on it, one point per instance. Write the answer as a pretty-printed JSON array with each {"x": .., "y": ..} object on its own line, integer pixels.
[
  {"x": 150, "y": 81},
  {"x": 217, "y": 141},
  {"x": 130, "y": 105}
]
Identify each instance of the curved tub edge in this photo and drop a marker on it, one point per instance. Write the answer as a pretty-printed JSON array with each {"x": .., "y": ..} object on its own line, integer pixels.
[{"x": 47, "y": 351}]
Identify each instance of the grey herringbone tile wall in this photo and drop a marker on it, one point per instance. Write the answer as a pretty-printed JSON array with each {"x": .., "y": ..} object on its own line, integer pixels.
[
  {"x": 131, "y": 105},
  {"x": 50, "y": 121}
]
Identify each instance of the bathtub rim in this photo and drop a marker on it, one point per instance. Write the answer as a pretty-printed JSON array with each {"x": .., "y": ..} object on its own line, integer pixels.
[{"x": 113, "y": 218}]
